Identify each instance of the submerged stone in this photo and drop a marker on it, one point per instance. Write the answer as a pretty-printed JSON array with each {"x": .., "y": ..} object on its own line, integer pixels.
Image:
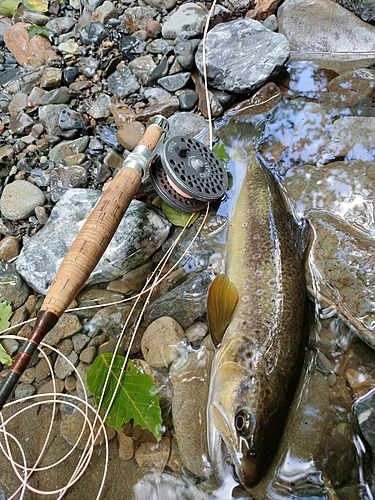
[{"x": 140, "y": 234}]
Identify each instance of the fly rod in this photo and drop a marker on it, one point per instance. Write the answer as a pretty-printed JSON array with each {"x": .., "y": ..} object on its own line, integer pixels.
[{"x": 87, "y": 248}]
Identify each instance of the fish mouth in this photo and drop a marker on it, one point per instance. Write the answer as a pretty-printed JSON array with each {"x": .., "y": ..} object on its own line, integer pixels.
[
  {"x": 223, "y": 451},
  {"x": 227, "y": 450}
]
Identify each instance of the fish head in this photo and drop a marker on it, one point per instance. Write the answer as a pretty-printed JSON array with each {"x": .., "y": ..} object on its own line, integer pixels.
[{"x": 235, "y": 438}]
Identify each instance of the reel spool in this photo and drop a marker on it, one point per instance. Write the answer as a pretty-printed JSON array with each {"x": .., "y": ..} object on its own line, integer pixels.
[{"x": 187, "y": 175}]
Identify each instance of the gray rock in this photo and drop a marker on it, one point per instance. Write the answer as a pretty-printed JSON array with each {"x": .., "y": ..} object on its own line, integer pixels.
[
  {"x": 87, "y": 66},
  {"x": 24, "y": 390},
  {"x": 21, "y": 123},
  {"x": 308, "y": 26},
  {"x": 101, "y": 107},
  {"x": 19, "y": 200},
  {"x": 68, "y": 148},
  {"x": 63, "y": 368},
  {"x": 67, "y": 326},
  {"x": 365, "y": 9},
  {"x": 88, "y": 354},
  {"x": 161, "y": 4},
  {"x": 185, "y": 303},
  {"x": 174, "y": 82},
  {"x": 49, "y": 117},
  {"x": 140, "y": 234},
  {"x": 80, "y": 341},
  {"x": 364, "y": 409},
  {"x": 185, "y": 51},
  {"x": 10, "y": 345},
  {"x": 242, "y": 55},
  {"x": 93, "y": 33},
  {"x": 70, "y": 119},
  {"x": 188, "y": 100},
  {"x": 185, "y": 123},
  {"x": 122, "y": 82},
  {"x": 61, "y": 24},
  {"x": 12, "y": 287},
  {"x": 142, "y": 67},
  {"x": 105, "y": 12},
  {"x": 189, "y": 17},
  {"x": 190, "y": 375},
  {"x": 270, "y": 23},
  {"x": 65, "y": 178},
  {"x": 136, "y": 18},
  {"x": 56, "y": 96},
  {"x": 159, "y": 45}
]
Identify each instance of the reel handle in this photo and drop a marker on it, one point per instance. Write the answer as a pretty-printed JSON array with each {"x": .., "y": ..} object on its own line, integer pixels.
[{"x": 87, "y": 248}]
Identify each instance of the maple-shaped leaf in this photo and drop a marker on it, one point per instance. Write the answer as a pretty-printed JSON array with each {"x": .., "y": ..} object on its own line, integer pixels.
[
  {"x": 8, "y": 7},
  {"x": 136, "y": 397}
]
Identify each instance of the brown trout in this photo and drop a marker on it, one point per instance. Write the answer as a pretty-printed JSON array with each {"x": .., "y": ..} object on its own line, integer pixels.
[{"x": 257, "y": 365}]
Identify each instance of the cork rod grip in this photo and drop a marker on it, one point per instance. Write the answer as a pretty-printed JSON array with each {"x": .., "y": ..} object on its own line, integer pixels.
[{"x": 91, "y": 241}]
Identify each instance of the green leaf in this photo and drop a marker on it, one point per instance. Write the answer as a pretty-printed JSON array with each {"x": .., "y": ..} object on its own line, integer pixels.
[
  {"x": 5, "y": 359},
  {"x": 9, "y": 7},
  {"x": 177, "y": 218},
  {"x": 34, "y": 29},
  {"x": 5, "y": 314},
  {"x": 136, "y": 397},
  {"x": 37, "y": 5},
  {"x": 221, "y": 153}
]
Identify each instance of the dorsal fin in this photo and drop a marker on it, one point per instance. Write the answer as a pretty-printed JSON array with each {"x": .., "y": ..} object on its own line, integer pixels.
[{"x": 221, "y": 302}]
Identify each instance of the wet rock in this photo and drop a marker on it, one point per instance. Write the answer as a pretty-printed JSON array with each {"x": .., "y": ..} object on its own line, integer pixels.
[
  {"x": 189, "y": 17},
  {"x": 215, "y": 107},
  {"x": 136, "y": 18},
  {"x": 69, "y": 119},
  {"x": 364, "y": 409},
  {"x": 9, "y": 248},
  {"x": 18, "y": 103},
  {"x": 61, "y": 25},
  {"x": 17, "y": 40},
  {"x": 185, "y": 51},
  {"x": 266, "y": 98},
  {"x": 308, "y": 26},
  {"x": 153, "y": 456},
  {"x": 163, "y": 342},
  {"x": 350, "y": 278},
  {"x": 12, "y": 287},
  {"x": 91, "y": 297},
  {"x": 262, "y": 55},
  {"x": 185, "y": 303},
  {"x": 87, "y": 66},
  {"x": 93, "y": 33},
  {"x": 122, "y": 82},
  {"x": 68, "y": 148},
  {"x": 126, "y": 445},
  {"x": 139, "y": 235},
  {"x": 174, "y": 82},
  {"x": 108, "y": 136},
  {"x": 130, "y": 135},
  {"x": 65, "y": 178},
  {"x": 19, "y": 200},
  {"x": 69, "y": 74},
  {"x": 196, "y": 331},
  {"x": 166, "y": 108},
  {"x": 190, "y": 375},
  {"x": 68, "y": 325},
  {"x": 101, "y": 108},
  {"x": 186, "y": 124},
  {"x": 354, "y": 136},
  {"x": 57, "y": 96},
  {"x": 70, "y": 383}
]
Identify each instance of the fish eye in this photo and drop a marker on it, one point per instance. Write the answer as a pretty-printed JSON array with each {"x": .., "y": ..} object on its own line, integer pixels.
[{"x": 242, "y": 422}]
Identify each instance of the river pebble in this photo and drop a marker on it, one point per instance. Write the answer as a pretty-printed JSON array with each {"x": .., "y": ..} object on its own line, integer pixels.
[
  {"x": 153, "y": 456},
  {"x": 19, "y": 200}
]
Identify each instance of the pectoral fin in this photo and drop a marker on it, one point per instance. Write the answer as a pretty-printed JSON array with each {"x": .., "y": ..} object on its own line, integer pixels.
[{"x": 221, "y": 302}]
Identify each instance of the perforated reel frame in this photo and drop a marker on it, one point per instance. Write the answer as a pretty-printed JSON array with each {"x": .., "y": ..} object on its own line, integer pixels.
[{"x": 187, "y": 175}]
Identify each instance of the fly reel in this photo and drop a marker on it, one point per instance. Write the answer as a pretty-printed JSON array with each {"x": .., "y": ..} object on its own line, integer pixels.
[{"x": 187, "y": 175}]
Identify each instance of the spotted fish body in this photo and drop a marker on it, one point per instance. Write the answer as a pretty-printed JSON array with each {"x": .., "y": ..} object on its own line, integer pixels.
[{"x": 258, "y": 362}]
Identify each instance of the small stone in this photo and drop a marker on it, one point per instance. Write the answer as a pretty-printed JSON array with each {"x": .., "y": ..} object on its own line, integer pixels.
[
  {"x": 10, "y": 345},
  {"x": 174, "y": 82},
  {"x": 196, "y": 331},
  {"x": 130, "y": 135},
  {"x": 12, "y": 287},
  {"x": 19, "y": 200},
  {"x": 72, "y": 426},
  {"x": 166, "y": 108},
  {"x": 21, "y": 123},
  {"x": 49, "y": 388},
  {"x": 28, "y": 375},
  {"x": 186, "y": 124},
  {"x": 67, "y": 326},
  {"x": 80, "y": 341},
  {"x": 188, "y": 100},
  {"x": 142, "y": 67},
  {"x": 65, "y": 367},
  {"x": 24, "y": 390},
  {"x": 126, "y": 445},
  {"x": 9, "y": 248},
  {"x": 156, "y": 94},
  {"x": 41, "y": 214},
  {"x": 101, "y": 108},
  {"x": 93, "y": 33},
  {"x": 51, "y": 78},
  {"x": 70, "y": 383},
  {"x": 49, "y": 117},
  {"x": 153, "y": 456},
  {"x": 153, "y": 29},
  {"x": 189, "y": 17},
  {"x": 160, "y": 70},
  {"x": 56, "y": 96},
  {"x": 137, "y": 18},
  {"x": 68, "y": 148},
  {"x": 122, "y": 82},
  {"x": 42, "y": 370},
  {"x": 104, "y": 13},
  {"x": 65, "y": 178},
  {"x": 163, "y": 342},
  {"x": 69, "y": 119},
  {"x": 88, "y": 354}
]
